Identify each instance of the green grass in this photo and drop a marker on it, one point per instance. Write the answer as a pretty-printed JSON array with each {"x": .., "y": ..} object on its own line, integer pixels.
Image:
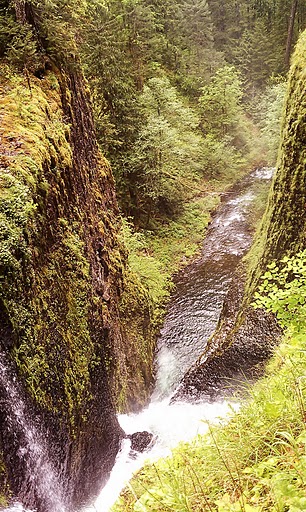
[
  {"x": 155, "y": 256},
  {"x": 257, "y": 462}
]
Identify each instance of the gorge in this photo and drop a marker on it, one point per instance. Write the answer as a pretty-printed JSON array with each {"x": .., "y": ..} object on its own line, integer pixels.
[
  {"x": 163, "y": 89},
  {"x": 191, "y": 318}
]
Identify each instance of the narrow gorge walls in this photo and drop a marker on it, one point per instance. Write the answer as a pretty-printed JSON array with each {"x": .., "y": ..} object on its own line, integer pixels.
[
  {"x": 64, "y": 311},
  {"x": 283, "y": 226}
]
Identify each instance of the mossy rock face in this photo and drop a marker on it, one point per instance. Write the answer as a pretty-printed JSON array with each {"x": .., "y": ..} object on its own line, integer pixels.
[
  {"x": 62, "y": 271},
  {"x": 134, "y": 371},
  {"x": 283, "y": 226}
]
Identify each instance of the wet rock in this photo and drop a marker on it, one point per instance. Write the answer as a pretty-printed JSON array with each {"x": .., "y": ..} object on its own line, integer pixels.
[
  {"x": 236, "y": 354},
  {"x": 140, "y": 441}
]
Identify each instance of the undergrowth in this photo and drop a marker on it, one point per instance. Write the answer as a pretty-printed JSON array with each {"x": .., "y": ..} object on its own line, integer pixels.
[
  {"x": 156, "y": 255},
  {"x": 257, "y": 461}
]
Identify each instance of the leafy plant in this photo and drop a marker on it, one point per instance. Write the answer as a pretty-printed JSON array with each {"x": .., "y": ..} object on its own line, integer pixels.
[{"x": 283, "y": 291}]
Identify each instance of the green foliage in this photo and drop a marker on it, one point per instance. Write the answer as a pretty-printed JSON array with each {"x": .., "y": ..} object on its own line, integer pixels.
[
  {"x": 257, "y": 57},
  {"x": 111, "y": 63},
  {"x": 167, "y": 151},
  {"x": 155, "y": 255},
  {"x": 283, "y": 291},
  {"x": 253, "y": 34},
  {"x": 146, "y": 53},
  {"x": 149, "y": 269},
  {"x": 220, "y": 102},
  {"x": 256, "y": 462},
  {"x": 17, "y": 42},
  {"x": 22, "y": 49},
  {"x": 269, "y": 109},
  {"x": 227, "y": 142},
  {"x": 170, "y": 154},
  {"x": 58, "y": 25}
]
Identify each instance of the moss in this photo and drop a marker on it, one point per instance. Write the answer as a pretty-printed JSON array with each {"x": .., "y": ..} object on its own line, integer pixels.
[
  {"x": 60, "y": 299},
  {"x": 136, "y": 361},
  {"x": 283, "y": 226},
  {"x": 4, "y": 489},
  {"x": 61, "y": 265},
  {"x": 40, "y": 294}
]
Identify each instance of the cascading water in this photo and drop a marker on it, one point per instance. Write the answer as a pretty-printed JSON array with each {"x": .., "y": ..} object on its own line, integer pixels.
[
  {"x": 40, "y": 483},
  {"x": 191, "y": 318}
]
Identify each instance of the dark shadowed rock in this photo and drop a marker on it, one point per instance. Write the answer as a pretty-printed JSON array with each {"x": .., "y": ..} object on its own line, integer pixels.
[
  {"x": 140, "y": 441},
  {"x": 237, "y": 352}
]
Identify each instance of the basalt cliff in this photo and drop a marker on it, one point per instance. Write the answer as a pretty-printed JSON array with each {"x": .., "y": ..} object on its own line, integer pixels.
[{"x": 74, "y": 321}]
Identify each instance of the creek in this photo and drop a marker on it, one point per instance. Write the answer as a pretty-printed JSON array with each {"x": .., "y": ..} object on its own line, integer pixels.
[{"x": 191, "y": 318}]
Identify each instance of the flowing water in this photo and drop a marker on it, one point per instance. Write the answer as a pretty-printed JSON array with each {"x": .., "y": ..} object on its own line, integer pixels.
[
  {"x": 191, "y": 318},
  {"x": 41, "y": 478}
]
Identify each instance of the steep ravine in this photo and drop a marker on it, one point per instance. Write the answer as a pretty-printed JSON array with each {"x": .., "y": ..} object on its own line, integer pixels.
[
  {"x": 191, "y": 317},
  {"x": 65, "y": 290},
  {"x": 244, "y": 334},
  {"x": 76, "y": 343},
  {"x": 240, "y": 467}
]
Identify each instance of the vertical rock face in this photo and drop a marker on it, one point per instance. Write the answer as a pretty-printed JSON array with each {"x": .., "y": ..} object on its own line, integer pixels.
[
  {"x": 283, "y": 226},
  {"x": 61, "y": 269},
  {"x": 62, "y": 280}
]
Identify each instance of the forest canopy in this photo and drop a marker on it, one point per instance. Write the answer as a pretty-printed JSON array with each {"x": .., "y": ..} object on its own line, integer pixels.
[{"x": 178, "y": 87}]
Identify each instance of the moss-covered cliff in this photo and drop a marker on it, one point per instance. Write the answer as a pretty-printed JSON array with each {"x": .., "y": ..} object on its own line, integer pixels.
[
  {"x": 245, "y": 337},
  {"x": 74, "y": 324},
  {"x": 283, "y": 226}
]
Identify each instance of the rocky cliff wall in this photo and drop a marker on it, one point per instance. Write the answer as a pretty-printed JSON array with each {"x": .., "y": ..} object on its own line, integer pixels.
[
  {"x": 283, "y": 226},
  {"x": 66, "y": 296}
]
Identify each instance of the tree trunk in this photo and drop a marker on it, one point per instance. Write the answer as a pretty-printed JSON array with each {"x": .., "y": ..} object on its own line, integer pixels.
[
  {"x": 290, "y": 31},
  {"x": 20, "y": 11}
]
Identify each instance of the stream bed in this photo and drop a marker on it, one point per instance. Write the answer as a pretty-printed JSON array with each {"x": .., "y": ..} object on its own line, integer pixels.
[{"x": 191, "y": 318}]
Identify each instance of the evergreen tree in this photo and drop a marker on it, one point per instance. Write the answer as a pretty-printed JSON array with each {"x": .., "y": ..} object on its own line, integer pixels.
[
  {"x": 167, "y": 153},
  {"x": 220, "y": 103}
]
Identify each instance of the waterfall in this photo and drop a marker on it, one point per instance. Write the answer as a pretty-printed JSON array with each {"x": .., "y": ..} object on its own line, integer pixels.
[
  {"x": 192, "y": 316},
  {"x": 40, "y": 484}
]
